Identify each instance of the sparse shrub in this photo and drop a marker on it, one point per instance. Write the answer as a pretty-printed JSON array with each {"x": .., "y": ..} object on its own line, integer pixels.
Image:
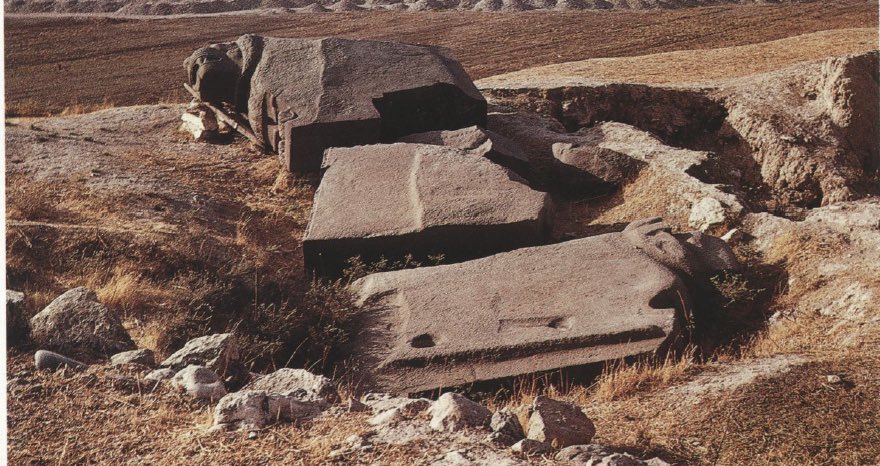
[
  {"x": 735, "y": 290},
  {"x": 357, "y": 268}
]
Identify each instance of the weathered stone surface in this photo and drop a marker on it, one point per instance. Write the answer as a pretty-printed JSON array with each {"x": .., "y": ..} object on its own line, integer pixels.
[
  {"x": 199, "y": 382},
  {"x": 690, "y": 254},
  {"x": 452, "y": 412},
  {"x": 255, "y": 409},
  {"x": 218, "y": 352},
  {"x": 76, "y": 322},
  {"x": 533, "y": 309},
  {"x": 17, "y": 328},
  {"x": 399, "y": 199},
  {"x": 143, "y": 357},
  {"x": 559, "y": 423},
  {"x": 298, "y": 383},
  {"x": 302, "y": 96},
  {"x": 479, "y": 141},
  {"x": 571, "y": 163},
  {"x": 53, "y": 361},
  {"x": 505, "y": 424},
  {"x": 530, "y": 447}
]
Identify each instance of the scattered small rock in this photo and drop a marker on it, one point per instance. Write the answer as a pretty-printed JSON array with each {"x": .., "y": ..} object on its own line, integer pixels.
[
  {"x": 599, "y": 455},
  {"x": 735, "y": 235},
  {"x": 355, "y": 406},
  {"x": 405, "y": 408},
  {"x": 76, "y": 322},
  {"x": 53, "y": 361},
  {"x": 560, "y": 422},
  {"x": 707, "y": 214},
  {"x": 255, "y": 409},
  {"x": 218, "y": 352},
  {"x": 833, "y": 379},
  {"x": 143, "y": 357},
  {"x": 506, "y": 428},
  {"x": 452, "y": 412},
  {"x": 298, "y": 383},
  {"x": 530, "y": 447},
  {"x": 160, "y": 375},
  {"x": 199, "y": 382},
  {"x": 17, "y": 327}
]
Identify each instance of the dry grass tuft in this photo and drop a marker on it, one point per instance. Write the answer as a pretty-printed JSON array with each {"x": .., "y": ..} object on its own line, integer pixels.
[{"x": 621, "y": 380}]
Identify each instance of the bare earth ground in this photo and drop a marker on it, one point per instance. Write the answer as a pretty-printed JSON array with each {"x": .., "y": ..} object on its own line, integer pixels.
[
  {"x": 168, "y": 231},
  {"x": 53, "y": 62}
]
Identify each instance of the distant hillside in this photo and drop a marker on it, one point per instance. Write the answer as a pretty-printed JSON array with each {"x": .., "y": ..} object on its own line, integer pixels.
[{"x": 177, "y": 7}]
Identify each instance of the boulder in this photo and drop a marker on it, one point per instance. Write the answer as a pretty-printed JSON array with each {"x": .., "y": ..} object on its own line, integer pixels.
[
  {"x": 76, "y": 322},
  {"x": 559, "y": 423},
  {"x": 533, "y": 309},
  {"x": 255, "y": 409},
  {"x": 506, "y": 428},
  {"x": 453, "y": 412},
  {"x": 218, "y": 352},
  {"x": 17, "y": 327},
  {"x": 199, "y": 382},
  {"x": 298, "y": 383},
  {"x": 420, "y": 200},
  {"x": 144, "y": 357},
  {"x": 570, "y": 163},
  {"x": 302, "y": 96},
  {"x": 53, "y": 361}
]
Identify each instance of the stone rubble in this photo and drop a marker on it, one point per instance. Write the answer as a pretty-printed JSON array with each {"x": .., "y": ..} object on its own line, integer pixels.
[
  {"x": 199, "y": 382},
  {"x": 143, "y": 357}
]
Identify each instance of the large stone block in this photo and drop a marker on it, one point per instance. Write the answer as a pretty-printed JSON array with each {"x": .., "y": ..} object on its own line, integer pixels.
[
  {"x": 302, "y": 96},
  {"x": 518, "y": 312},
  {"x": 398, "y": 199}
]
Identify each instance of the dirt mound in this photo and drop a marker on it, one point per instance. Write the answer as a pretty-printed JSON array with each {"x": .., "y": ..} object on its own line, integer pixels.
[{"x": 800, "y": 137}]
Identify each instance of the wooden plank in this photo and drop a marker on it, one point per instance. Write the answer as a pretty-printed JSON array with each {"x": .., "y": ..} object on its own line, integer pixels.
[{"x": 232, "y": 120}]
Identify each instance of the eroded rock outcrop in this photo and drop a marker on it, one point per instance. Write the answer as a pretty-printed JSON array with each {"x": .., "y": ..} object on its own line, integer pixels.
[
  {"x": 393, "y": 200},
  {"x": 803, "y": 136},
  {"x": 301, "y": 96}
]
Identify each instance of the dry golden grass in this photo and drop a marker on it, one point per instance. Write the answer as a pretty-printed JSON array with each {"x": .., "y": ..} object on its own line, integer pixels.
[
  {"x": 700, "y": 66},
  {"x": 82, "y": 108},
  {"x": 621, "y": 380}
]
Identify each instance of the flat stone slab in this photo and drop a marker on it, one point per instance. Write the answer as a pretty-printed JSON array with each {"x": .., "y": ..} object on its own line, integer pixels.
[
  {"x": 520, "y": 312},
  {"x": 301, "y": 96},
  {"x": 413, "y": 199}
]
